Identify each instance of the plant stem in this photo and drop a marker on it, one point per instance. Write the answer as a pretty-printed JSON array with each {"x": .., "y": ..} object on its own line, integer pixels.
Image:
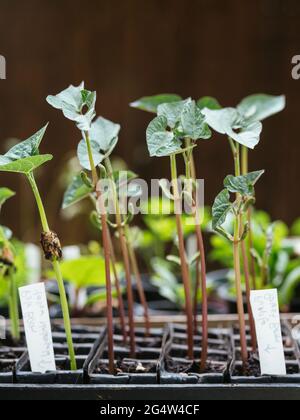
[
  {"x": 139, "y": 282},
  {"x": 248, "y": 291},
  {"x": 106, "y": 247},
  {"x": 14, "y": 306},
  {"x": 240, "y": 302},
  {"x": 200, "y": 272},
  {"x": 246, "y": 260},
  {"x": 184, "y": 265},
  {"x": 56, "y": 268},
  {"x": 125, "y": 254},
  {"x": 118, "y": 289},
  {"x": 245, "y": 170},
  {"x": 237, "y": 265}
]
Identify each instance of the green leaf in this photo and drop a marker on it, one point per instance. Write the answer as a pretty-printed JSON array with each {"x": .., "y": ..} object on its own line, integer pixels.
[
  {"x": 5, "y": 194},
  {"x": 208, "y": 102},
  {"x": 105, "y": 133},
  {"x": 24, "y": 149},
  {"x": 160, "y": 141},
  {"x": 27, "y": 165},
  {"x": 259, "y": 107},
  {"x": 71, "y": 96},
  {"x": 76, "y": 192},
  {"x": 193, "y": 122},
  {"x": 85, "y": 271},
  {"x": 172, "y": 111},
  {"x": 220, "y": 209},
  {"x": 72, "y": 101},
  {"x": 151, "y": 103},
  {"x": 287, "y": 291},
  {"x": 228, "y": 121},
  {"x": 83, "y": 156},
  {"x": 242, "y": 184}
]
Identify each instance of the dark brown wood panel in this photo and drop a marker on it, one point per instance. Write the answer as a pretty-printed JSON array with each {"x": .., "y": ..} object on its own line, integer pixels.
[{"x": 126, "y": 49}]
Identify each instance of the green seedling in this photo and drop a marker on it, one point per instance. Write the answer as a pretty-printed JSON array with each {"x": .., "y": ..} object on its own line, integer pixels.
[
  {"x": 176, "y": 129},
  {"x": 24, "y": 158},
  {"x": 8, "y": 269}
]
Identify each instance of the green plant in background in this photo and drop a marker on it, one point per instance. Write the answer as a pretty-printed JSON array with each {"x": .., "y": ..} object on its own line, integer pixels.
[
  {"x": 276, "y": 263},
  {"x": 24, "y": 158},
  {"x": 84, "y": 272},
  {"x": 8, "y": 269},
  {"x": 176, "y": 129}
]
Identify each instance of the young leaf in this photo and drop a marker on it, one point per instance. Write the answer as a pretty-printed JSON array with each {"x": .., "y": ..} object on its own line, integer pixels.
[
  {"x": 83, "y": 156},
  {"x": 242, "y": 184},
  {"x": 71, "y": 96},
  {"x": 220, "y": 209},
  {"x": 27, "y": 165},
  {"x": 26, "y": 148},
  {"x": 193, "y": 122},
  {"x": 208, "y": 102},
  {"x": 105, "y": 133},
  {"x": 259, "y": 107},
  {"x": 172, "y": 111},
  {"x": 228, "y": 121},
  {"x": 76, "y": 192},
  {"x": 5, "y": 194},
  {"x": 72, "y": 102},
  {"x": 151, "y": 103},
  {"x": 160, "y": 141}
]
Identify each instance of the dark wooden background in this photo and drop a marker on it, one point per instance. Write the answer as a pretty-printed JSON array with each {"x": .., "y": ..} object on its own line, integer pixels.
[{"x": 125, "y": 49}]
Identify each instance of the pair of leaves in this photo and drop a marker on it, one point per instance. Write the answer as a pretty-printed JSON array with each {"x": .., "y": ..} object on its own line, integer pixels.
[
  {"x": 228, "y": 121},
  {"x": 103, "y": 136},
  {"x": 175, "y": 121},
  {"x": 243, "y": 185},
  {"x": 73, "y": 101},
  {"x": 24, "y": 158},
  {"x": 243, "y": 124}
]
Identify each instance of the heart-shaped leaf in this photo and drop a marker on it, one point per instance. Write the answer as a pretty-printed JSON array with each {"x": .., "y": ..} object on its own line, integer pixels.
[
  {"x": 244, "y": 184},
  {"x": 76, "y": 192},
  {"x": 83, "y": 156},
  {"x": 5, "y": 194},
  {"x": 73, "y": 101},
  {"x": 229, "y": 121},
  {"x": 24, "y": 149},
  {"x": 208, "y": 102},
  {"x": 172, "y": 111},
  {"x": 26, "y": 165},
  {"x": 193, "y": 122},
  {"x": 160, "y": 141},
  {"x": 151, "y": 103},
  {"x": 71, "y": 96},
  {"x": 259, "y": 107},
  {"x": 105, "y": 133},
  {"x": 220, "y": 209}
]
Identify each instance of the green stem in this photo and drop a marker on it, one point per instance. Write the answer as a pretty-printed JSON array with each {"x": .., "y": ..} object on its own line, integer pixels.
[
  {"x": 14, "y": 306},
  {"x": 237, "y": 258},
  {"x": 91, "y": 159},
  {"x": 184, "y": 265},
  {"x": 245, "y": 170},
  {"x": 57, "y": 270}
]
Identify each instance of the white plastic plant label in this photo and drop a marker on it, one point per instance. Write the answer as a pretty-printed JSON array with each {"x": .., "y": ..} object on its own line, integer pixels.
[
  {"x": 37, "y": 328},
  {"x": 268, "y": 330}
]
